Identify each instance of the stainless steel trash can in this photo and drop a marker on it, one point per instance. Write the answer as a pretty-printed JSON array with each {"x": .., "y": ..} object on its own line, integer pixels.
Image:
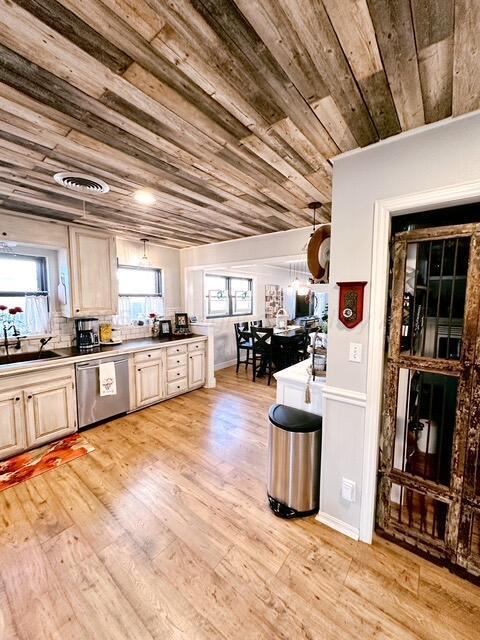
[{"x": 294, "y": 446}]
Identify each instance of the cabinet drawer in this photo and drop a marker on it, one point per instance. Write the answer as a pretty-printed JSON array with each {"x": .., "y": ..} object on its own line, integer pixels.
[
  {"x": 173, "y": 362},
  {"x": 176, "y": 374},
  {"x": 147, "y": 356},
  {"x": 178, "y": 386},
  {"x": 196, "y": 346},
  {"x": 174, "y": 351}
]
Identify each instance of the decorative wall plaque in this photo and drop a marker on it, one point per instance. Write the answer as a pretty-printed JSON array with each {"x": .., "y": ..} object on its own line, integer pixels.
[{"x": 350, "y": 308}]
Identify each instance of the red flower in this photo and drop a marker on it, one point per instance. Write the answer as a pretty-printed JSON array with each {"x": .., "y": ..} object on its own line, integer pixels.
[
  {"x": 3, "y": 307},
  {"x": 15, "y": 310},
  {"x": 152, "y": 315},
  {"x": 19, "y": 309}
]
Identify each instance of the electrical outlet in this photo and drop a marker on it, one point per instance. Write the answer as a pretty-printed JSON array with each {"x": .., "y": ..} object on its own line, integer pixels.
[
  {"x": 355, "y": 353},
  {"x": 349, "y": 490}
]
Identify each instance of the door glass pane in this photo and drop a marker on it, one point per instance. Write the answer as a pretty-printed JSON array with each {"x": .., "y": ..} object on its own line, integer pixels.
[
  {"x": 434, "y": 298},
  {"x": 426, "y": 407},
  {"x": 420, "y": 512}
]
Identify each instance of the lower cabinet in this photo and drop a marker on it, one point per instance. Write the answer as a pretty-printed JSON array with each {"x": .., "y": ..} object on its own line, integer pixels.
[
  {"x": 49, "y": 412},
  {"x": 168, "y": 371},
  {"x": 149, "y": 382},
  {"x": 13, "y": 437},
  {"x": 196, "y": 369},
  {"x": 34, "y": 412}
]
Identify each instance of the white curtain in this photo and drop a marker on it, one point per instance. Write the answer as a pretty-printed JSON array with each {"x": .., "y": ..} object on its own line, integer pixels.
[
  {"x": 37, "y": 319},
  {"x": 133, "y": 308}
]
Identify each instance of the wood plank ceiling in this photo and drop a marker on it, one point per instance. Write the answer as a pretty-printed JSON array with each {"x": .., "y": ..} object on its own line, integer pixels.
[{"x": 228, "y": 111}]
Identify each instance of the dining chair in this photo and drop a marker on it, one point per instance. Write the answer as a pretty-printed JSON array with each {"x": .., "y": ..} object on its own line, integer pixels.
[
  {"x": 244, "y": 343},
  {"x": 262, "y": 352},
  {"x": 256, "y": 323},
  {"x": 302, "y": 343}
]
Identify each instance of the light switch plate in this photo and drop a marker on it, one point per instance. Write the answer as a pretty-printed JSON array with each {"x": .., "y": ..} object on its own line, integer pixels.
[
  {"x": 349, "y": 490},
  {"x": 355, "y": 352}
]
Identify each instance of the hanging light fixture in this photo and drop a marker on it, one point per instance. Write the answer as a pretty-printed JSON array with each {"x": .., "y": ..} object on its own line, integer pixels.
[{"x": 144, "y": 260}]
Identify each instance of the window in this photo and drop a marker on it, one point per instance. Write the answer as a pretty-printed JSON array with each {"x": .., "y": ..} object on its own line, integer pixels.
[
  {"x": 228, "y": 296},
  {"x": 140, "y": 293},
  {"x": 23, "y": 285}
]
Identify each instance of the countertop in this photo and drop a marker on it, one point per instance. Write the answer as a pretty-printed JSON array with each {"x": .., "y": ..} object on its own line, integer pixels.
[
  {"x": 72, "y": 356},
  {"x": 299, "y": 373}
]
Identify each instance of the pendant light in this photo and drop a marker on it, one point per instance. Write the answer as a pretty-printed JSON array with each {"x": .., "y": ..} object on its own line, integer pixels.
[{"x": 144, "y": 260}]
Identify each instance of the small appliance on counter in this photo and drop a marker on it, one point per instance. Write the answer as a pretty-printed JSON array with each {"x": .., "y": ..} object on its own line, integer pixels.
[{"x": 87, "y": 334}]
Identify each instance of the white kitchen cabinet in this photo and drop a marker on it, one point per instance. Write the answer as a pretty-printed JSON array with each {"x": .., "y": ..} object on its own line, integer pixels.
[
  {"x": 49, "y": 411},
  {"x": 149, "y": 382},
  {"x": 34, "y": 411},
  {"x": 196, "y": 369},
  {"x": 12, "y": 424},
  {"x": 93, "y": 273}
]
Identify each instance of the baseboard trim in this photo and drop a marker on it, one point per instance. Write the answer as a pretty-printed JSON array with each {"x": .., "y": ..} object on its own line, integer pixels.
[
  {"x": 224, "y": 365},
  {"x": 338, "y": 525}
]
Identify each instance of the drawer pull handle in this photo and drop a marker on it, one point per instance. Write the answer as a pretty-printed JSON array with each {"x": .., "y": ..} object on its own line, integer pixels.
[
  {"x": 17, "y": 399},
  {"x": 149, "y": 355},
  {"x": 178, "y": 374},
  {"x": 29, "y": 397},
  {"x": 178, "y": 386}
]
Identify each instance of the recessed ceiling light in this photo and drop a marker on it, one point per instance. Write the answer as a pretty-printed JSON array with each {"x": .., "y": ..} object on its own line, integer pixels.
[{"x": 142, "y": 196}]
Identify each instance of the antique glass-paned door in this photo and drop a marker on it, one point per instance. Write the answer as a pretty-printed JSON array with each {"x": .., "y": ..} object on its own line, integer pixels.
[{"x": 429, "y": 475}]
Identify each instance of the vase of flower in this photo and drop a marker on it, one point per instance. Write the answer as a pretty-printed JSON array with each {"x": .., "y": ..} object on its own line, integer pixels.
[
  {"x": 155, "y": 324},
  {"x": 8, "y": 326}
]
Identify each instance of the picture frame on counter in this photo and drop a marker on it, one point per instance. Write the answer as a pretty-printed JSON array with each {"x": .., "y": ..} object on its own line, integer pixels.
[
  {"x": 165, "y": 329},
  {"x": 181, "y": 323}
]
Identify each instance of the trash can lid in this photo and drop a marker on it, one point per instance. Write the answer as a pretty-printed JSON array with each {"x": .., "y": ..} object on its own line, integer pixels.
[{"x": 296, "y": 420}]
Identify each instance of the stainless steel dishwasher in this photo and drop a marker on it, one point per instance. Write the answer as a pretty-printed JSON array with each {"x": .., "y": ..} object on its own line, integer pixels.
[{"x": 92, "y": 407}]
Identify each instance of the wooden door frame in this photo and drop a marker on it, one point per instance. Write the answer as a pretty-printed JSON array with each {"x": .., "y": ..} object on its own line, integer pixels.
[{"x": 384, "y": 210}]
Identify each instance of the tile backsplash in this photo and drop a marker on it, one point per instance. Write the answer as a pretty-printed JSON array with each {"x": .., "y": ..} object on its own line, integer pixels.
[{"x": 63, "y": 332}]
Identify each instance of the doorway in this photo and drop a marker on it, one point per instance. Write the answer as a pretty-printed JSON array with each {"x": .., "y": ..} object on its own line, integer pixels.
[{"x": 429, "y": 467}]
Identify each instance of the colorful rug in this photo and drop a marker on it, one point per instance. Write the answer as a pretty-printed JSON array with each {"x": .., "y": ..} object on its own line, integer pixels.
[{"x": 33, "y": 463}]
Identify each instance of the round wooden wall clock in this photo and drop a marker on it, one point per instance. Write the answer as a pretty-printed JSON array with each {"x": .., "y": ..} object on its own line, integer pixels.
[{"x": 318, "y": 253}]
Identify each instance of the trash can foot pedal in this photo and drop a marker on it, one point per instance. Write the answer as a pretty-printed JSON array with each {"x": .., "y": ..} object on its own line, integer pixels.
[{"x": 282, "y": 511}]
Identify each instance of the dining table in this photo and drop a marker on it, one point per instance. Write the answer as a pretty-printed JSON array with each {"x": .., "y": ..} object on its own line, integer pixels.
[{"x": 285, "y": 347}]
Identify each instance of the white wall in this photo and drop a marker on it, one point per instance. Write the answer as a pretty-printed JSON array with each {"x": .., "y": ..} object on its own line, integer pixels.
[
  {"x": 432, "y": 157},
  {"x": 225, "y": 346}
]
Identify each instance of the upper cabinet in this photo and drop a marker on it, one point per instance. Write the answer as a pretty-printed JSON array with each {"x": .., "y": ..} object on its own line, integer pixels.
[{"x": 92, "y": 284}]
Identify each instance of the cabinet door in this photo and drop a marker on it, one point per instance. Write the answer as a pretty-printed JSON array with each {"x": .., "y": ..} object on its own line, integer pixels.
[
  {"x": 50, "y": 411},
  {"x": 93, "y": 273},
  {"x": 196, "y": 369},
  {"x": 12, "y": 424},
  {"x": 149, "y": 382}
]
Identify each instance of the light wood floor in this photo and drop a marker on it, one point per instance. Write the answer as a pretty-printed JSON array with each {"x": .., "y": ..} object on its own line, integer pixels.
[{"x": 164, "y": 532}]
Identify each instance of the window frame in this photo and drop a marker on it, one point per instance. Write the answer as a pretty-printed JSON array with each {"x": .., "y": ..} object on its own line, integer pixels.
[
  {"x": 158, "y": 282},
  {"x": 228, "y": 280},
  {"x": 42, "y": 276}
]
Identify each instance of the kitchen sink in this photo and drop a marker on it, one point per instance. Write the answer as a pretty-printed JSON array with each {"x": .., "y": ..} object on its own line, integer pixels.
[{"x": 28, "y": 357}]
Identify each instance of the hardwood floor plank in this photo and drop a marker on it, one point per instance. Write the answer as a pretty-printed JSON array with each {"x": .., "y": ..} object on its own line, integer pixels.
[
  {"x": 164, "y": 610},
  {"x": 90, "y": 516},
  {"x": 211, "y": 595},
  {"x": 94, "y": 596}
]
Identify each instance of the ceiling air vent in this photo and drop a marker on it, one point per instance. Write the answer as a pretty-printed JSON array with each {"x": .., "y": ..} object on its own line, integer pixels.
[{"x": 81, "y": 182}]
